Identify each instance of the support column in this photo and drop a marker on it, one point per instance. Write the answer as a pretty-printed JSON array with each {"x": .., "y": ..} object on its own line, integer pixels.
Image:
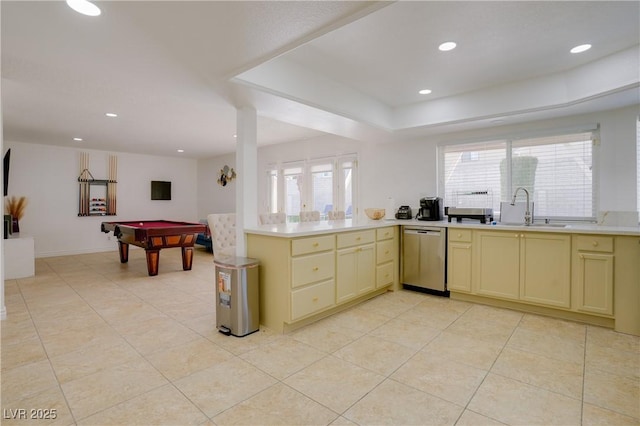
[{"x": 247, "y": 175}]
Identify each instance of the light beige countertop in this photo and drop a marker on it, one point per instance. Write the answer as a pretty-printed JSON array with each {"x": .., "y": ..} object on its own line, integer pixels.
[
  {"x": 302, "y": 229},
  {"x": 292, "y": 230}
]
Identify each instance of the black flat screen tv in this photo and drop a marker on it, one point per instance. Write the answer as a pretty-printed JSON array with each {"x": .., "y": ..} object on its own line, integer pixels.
[{"x": 160, "y": 190}]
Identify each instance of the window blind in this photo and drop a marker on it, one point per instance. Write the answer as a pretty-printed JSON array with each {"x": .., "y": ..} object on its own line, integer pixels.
[{"x": 556, "y": 170}]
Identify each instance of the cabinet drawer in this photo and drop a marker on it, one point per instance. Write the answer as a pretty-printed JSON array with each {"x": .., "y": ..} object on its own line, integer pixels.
[
  {"x": 312, "y": 299},
  {"x": 594, "y": 243},
  {"x": 312, "y": 268},
  {"x": 311, "y": 245},
  {"x": 384, "y": 251},
  {"x": 384, "y": 233},
  {"x": 348, "y": 239},
  {"x": 461, "y": 235},
  {"x": 384, "y": 274}
]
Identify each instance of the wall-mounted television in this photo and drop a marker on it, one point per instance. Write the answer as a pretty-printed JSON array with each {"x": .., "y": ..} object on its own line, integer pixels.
[{"x": 160, "y": 190}]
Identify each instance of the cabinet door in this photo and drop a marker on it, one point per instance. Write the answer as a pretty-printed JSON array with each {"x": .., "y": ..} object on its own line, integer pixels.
[
  {"x": 498, "y": 264},
  {"x": 346, "y": 274},
  {"x": 545, "y": 269},
  {"x": 385, "y": 251},
  {"x": 355, "y": 272},
  {"x": 595, "y": 282},
  {"x": 384, "y": 274},
  {"x": 366, "y": 269},
  {"x": 459, "y": 267},
  {"x": 627, "y": 281}
]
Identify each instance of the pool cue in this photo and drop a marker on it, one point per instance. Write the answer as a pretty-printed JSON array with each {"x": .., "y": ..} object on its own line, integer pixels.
[
  {"x": 85, "y": 184},
  {"x": 82, "y": 184},
  {"x": 115, "y": 182},
  {"x": 111, "y": 180}
]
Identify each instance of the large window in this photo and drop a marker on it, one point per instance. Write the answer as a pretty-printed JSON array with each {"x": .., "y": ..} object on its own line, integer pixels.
[
  {"x": 323, "y": 184},
  {"x": 638, "y": 165},
  {"x": 557, "y": 171}
]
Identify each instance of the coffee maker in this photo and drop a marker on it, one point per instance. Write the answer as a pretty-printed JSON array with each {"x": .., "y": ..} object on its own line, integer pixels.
[{"x": 430, "y": 209}]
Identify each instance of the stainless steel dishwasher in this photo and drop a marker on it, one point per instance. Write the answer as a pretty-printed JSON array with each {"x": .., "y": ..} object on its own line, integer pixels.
[{"x": 424, "y": 258}]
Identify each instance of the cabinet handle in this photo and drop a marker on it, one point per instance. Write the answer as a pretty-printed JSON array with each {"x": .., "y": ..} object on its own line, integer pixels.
[
  {"x": 386, "y": 252},
  {"x": 516, "y": 235},
  {"x": 521, "y": 235},
  {"x": 595, "y": 244},
  {"x": 581, "y": 256},
  {"x": 315, "y": 268},
  {"x": 315, "y": 298},
  {"x": 358, "y": 238},
  {"x": 316, "y": 244},
  {"x": 459, "y": 235}
]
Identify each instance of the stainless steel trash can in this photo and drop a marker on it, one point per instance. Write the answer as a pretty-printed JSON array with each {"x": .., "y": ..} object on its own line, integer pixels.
[{"x": 237, "y": 295}]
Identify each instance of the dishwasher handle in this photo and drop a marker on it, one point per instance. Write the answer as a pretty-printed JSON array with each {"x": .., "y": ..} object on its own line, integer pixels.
[{"x": 423, "y": 232}]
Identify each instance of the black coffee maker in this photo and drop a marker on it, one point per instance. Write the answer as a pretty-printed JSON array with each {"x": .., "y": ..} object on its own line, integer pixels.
[{"x": 430, "y": 209}]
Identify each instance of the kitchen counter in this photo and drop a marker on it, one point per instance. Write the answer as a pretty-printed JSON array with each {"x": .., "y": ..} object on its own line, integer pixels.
[
  {"x": 305, "y": 229},
  {"x": 290, "y": 230}
]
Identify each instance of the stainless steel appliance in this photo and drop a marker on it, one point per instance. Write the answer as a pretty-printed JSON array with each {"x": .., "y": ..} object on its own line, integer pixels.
[
  {"x": 404, "y": 212},
  {"x": 424, "y": 255},
  {"x": 430, "y": 209},
  {"x": 484, "y": 215}
]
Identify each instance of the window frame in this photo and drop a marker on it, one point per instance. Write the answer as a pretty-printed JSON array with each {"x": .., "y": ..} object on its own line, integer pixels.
[
  {"x": 276, "y": 171},
  {"x": 512, "y": 141}
]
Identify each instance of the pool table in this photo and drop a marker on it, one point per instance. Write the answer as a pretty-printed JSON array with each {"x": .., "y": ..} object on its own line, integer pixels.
[{"x": 153, "y": 235}]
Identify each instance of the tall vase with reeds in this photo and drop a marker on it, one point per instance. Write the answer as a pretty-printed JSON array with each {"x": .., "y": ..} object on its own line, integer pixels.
[{"x": 15, "y": 206}]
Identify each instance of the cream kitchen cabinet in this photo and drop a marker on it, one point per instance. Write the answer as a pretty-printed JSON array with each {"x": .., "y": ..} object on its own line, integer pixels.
[
  {"x": 626, "y": 271},
  {"x": 355, "y": 264},
  {"x": 593, "y": 263},
  {"x": 533, "y": 267},
  {"x": 459, "y": 260},
  {"x": 306, "y": 277},
  {"x": 497, "y": 264},
  {"x": 386, "y": 256}
]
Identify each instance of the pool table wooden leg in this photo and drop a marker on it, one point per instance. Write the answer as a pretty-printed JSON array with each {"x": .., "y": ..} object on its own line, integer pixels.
[
  {"x": 123, "y": 249},
  {"x": 153, "y": 258},
  {"x": 187, "y": 258}
]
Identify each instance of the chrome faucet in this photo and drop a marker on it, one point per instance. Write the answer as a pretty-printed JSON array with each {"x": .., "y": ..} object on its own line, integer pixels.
[{"x": 528, "y": 220}]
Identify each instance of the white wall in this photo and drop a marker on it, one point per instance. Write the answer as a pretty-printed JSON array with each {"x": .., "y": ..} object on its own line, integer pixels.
[
  {"x": 212, "y": 197},
  {"x": 407, "y": 171},
  {"x": 48, "y": 177}
]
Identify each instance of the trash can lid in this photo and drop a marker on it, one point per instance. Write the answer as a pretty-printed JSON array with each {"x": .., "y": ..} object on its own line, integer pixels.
[{"x": 235, "y": 262}]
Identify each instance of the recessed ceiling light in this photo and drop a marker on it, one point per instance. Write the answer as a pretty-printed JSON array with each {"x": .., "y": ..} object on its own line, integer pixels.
[
  {"x": 446, "y": 46},
  {"x": 85, "y": 7},
  {"x": 235, "y": 136},
  {"x": 425, "y": 91},
  {"x": 111, "y": 114},
  {"x": 581, "y": 48},
  {"x": 77, "y": 139},
  {"x": 181, "y": 150}
]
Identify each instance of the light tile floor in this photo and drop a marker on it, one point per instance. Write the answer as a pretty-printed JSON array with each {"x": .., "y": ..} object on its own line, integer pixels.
[{"x": 102, "y": 343}]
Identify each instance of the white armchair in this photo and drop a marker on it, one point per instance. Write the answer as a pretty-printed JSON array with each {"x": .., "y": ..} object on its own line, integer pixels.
[
  {"x": 335, "y": 215},
  {"x": 313, "y": 216},
  {"x": 272, "y": 218},
  {"x": 223, "y": 233}
]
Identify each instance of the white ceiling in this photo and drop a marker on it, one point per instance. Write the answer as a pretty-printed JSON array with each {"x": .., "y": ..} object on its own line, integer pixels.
[{"x": 175, "y": 72}]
